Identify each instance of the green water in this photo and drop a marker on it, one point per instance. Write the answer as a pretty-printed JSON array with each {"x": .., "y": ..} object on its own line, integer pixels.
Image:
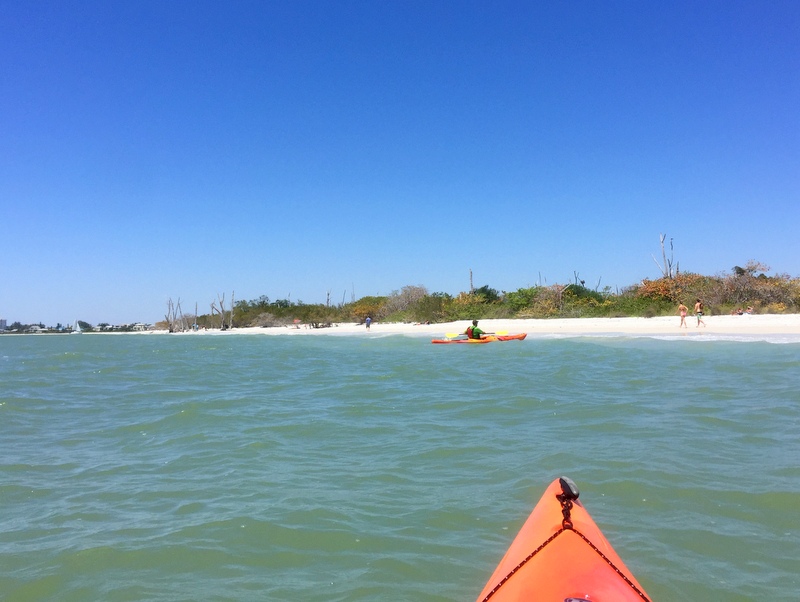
[{"x": 325, "y": 468}]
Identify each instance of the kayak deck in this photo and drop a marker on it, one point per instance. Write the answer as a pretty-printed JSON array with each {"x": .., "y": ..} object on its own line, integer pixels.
[
  {"x": 560, "y": 555},
  {"x": 487, "y": 339}
]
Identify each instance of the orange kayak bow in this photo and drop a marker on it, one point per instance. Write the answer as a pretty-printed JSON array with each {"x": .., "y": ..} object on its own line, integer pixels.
[{"x": 560, "y": 555}]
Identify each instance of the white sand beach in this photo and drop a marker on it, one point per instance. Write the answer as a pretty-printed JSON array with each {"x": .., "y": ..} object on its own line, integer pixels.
[{"x": 746, "y": 325}]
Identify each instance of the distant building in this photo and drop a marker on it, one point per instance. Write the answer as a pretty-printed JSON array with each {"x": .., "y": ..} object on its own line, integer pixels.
[{"x": 3, "y": 324}]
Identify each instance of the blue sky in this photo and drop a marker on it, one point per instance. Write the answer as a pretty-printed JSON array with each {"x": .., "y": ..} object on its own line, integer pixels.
[{"x": 153, "y": 150}]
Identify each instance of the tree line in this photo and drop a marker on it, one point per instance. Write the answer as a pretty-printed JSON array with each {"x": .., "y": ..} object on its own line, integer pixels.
[{"x": 747, "y": 286}]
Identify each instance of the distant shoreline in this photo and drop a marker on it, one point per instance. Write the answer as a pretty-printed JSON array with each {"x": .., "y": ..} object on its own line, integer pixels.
[
  {"x": 724, "y": 325},
  {"x": 764, "y": 324}
]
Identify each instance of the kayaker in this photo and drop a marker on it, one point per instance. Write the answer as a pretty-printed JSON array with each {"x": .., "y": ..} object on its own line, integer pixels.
[{"x": 473, "y": 331}]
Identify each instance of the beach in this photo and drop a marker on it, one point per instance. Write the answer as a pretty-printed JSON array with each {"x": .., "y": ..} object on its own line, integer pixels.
[{"x": 724, "y": 325}]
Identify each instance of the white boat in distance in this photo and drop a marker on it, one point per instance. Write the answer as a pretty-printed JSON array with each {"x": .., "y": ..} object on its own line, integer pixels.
[{"x": 76, "y": 329}]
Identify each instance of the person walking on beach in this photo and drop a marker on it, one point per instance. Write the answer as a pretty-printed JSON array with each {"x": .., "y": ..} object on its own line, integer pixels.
[
  {"x": 368, "y": 321},
  {"x": 683, "y": 309},
  {"x": 473, "y": 332},
  {"x": 698, "y": 310}
]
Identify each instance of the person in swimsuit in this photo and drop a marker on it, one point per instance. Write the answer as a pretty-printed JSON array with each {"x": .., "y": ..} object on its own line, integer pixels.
[
  {"x": 698, "y": 310},
  {"x": 683, "y": 309}
]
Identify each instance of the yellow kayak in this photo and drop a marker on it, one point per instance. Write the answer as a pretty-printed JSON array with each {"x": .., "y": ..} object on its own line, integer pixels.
[{"x": 489, "y": 338}]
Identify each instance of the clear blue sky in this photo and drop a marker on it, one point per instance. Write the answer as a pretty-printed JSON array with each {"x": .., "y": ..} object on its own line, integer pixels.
[{"x": 153, "y": 150}]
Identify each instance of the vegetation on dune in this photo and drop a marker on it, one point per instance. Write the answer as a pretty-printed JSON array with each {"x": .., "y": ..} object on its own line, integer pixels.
[{"x": 744, "y": 287}]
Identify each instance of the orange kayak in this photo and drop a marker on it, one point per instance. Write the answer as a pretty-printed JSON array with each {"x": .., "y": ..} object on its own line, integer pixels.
[
  {"x": 491, "y": 338},
  {"x": 560, "y": 555}
]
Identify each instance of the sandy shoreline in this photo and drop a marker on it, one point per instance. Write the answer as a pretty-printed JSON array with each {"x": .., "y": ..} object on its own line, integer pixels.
[{"x": 715, "y": 325}]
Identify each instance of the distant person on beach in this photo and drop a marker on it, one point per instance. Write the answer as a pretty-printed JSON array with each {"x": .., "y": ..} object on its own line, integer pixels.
[
  {"x": 683, "y": 309},
  {"x": 698, "y": 310},
  {"x": 368, "y": 321},
  {"x": 473, "y": 332}
]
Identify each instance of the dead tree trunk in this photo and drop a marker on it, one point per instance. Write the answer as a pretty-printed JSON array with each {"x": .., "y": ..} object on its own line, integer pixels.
[
  {"x": 170, "y": 316},
  {"x": 219, "y": 311},
  {"x": 223, "y": 314},
  {"x": 666, "y": 267},
  {"x": 180, "y": 320}
]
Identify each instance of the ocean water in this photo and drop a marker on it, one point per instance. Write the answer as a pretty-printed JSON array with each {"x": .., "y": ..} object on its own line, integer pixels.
[{"x": 329, "y": 468}]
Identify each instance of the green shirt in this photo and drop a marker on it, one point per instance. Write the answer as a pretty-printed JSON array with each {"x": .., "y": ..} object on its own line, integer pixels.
[{"x": 475, "y": 333}]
